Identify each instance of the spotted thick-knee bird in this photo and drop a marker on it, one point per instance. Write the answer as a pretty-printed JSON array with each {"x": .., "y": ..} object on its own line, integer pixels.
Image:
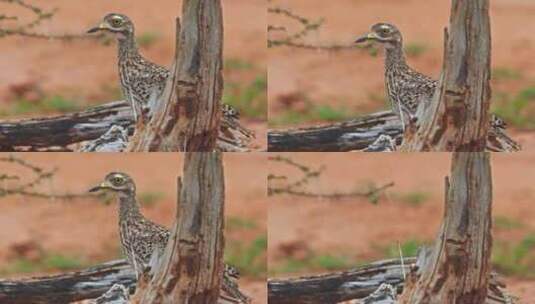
[
  {"x": 140, "y": 237},
  {"x": 142, "y": 82},
  {"x": 405, "y": 87}
]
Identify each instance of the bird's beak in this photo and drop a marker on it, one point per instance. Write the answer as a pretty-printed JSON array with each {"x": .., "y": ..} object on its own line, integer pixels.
[
  {"x": 369, "y": 36},
  {"x": 100, "y": 27},
  {"x": 102, "y": 186}
]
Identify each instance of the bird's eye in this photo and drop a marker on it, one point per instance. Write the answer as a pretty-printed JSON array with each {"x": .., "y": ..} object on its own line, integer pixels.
[
  {"x": 116, "y": 22},
  {"x": 117, "y": 180},
  {"x": 384, "y": 31}
]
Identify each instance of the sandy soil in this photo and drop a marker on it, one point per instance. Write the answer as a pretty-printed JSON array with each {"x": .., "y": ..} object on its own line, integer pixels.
[
  {"x": 354, "y": 80},
  {"x": 87, "y": 228},
  {"x": 356, "y": 229},
  {"x": 85, "y": 70}
]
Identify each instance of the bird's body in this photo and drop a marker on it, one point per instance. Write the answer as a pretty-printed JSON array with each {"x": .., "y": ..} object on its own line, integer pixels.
[
  {"x": 142, "y": 82},
  {"x": 405, "y": 87},
  {"x": 141, "y": 238}
]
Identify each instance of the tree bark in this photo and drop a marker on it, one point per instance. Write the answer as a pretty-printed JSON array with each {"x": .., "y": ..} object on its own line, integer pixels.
[
  {"x": 459, "y": 268},
  {"x": 457, "y": 118},
  {"x": 90, "y": 124},
  {"x": 187, "y": 116},
  {"x": 191, "y": 267}
]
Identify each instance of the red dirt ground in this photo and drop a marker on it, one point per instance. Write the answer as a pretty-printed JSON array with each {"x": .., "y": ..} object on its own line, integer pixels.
[
  {"x": 349, "y": 78},
  {"x": 82, "y": 69},
  {"x": 87, "y": 228},
  {"x": 356, "y": 228}
]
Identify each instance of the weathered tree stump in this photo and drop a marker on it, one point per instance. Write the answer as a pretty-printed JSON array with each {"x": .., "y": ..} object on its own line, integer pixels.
[
  {"x": 459, "y": 268},
  {"x": 457, "y": 118},
  {"x": 187, "y": 115}
]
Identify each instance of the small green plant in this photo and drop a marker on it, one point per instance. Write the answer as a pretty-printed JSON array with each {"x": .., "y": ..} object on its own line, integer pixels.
[
  {"x": 415, "y": 49},
  {"x": 311, "y": 114},
  {"x": 315, "y": 262},
  {"x": 251, "y": 99},
  {"x": 248, "y": 258},
  {"x": 237, "y": 223},
  {"x": 518, "y": 110},
  {"x": 148, "y": 39},
  {"x": 414, "y": 198},
  {"x": 150, "y": 199},
  {"x": 506, "y": 223},
  {"x": 62, "y": 262},
  {"x": 505, "y": 73},
  {"x": 54, "y": 103},
  {"x": 47, "y": 262},
  {"x": 515, "y": 259},
  {"x": 408, "y": 248}
]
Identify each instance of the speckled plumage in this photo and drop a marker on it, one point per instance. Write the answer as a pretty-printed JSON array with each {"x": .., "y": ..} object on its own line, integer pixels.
[{"x": 142, "y": 82}]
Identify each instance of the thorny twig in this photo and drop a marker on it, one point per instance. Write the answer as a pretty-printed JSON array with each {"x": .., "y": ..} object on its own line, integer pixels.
[
  {"x": 27, "y": 29},
  {"x": 308, "y": 26},
  {"x": 28, "y": 188},
  {"x": 296, "y": 187}
]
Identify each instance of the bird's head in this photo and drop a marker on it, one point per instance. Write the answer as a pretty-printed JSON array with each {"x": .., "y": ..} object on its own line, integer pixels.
[
  {"x": 384, "y": 33},
  {"x": 119, "y": 25},
  {"x": 117, "y": 182}
]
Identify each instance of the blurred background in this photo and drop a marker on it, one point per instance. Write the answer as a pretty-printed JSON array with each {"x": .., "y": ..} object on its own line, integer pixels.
[
  {"x": 308, "y": 87},
  {"x": 309, "y": 235},
  {"x": 42, "y": 77},
  {"x": 49, "y": 235}
]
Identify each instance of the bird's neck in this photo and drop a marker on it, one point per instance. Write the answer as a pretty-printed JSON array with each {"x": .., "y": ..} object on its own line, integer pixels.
[
  {"x": 127, "y": 47},
  {"x": 394, "y": 56},
  {"x": 128, "y": 206}
]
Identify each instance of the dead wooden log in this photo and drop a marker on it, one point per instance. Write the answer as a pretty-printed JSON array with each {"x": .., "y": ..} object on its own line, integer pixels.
[
  {"x": 459, "y": 268},
  {"x": 359, "y": 134},
  {"x": 90, "y": 124},
  {"x": 356, "y": 134},
  {"x": 457, "y": 117},
  {"x": 359, "y": 283},
  {"x": 68, "y": 287},
  {"x": 190, "y": 270},
  {"x": 341, "y": 286},
  {"x": 187, "y": 114}
]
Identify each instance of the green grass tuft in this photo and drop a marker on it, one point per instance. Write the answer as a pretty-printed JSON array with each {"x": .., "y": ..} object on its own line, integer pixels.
[
  {"x": 408, "y": 248},
  {"x": 250, "y": 259},
  {"x": 55, "y": 103},
  {"x": 48, "y": 262},
  {"x": 505, "y": 73},
  {"x": 506, "y": 223},
  {"x": 515, "y": 259},
  {"x": 313, "y": 113},
  {"x": 518, "y": 110},
  {"x": 314, "y": 262},
  {"x": 249, "y": 99}
]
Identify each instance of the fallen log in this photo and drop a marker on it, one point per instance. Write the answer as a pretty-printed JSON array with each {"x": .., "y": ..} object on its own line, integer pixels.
[
  {"x": 358, "y": 134},
  {"x": 90, "y": 124},
  {"x": 68, "y": 287},
  {"x": 358, "y": 283},
  {"x": 355, "y": 134}
]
